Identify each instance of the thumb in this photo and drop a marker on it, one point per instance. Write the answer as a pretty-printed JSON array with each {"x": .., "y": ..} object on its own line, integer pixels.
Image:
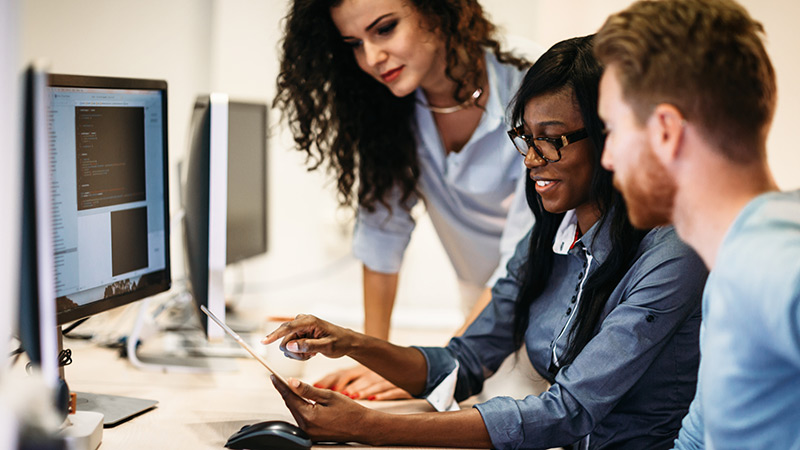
[{"x": 321, "y": 396}]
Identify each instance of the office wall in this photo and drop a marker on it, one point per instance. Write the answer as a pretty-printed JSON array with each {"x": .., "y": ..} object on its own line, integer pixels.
[
  {"x": 200, "y": 46},
  {"x": 144, "y": 39}
]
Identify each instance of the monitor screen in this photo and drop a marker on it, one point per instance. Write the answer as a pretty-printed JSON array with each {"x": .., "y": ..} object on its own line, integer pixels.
[
  {"x": 108, "y": 151},
  {"x": 247, "y": 181}
]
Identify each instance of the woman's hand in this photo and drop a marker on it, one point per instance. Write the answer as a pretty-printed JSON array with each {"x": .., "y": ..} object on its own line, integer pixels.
[
  {"x": 306, "y": 335},
  {"x": 332, "y": 416},
  {"x": 361, "y": 383}
]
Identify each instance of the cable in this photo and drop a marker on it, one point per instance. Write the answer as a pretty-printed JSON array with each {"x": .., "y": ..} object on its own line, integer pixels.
[
  {"x": 65, "y": 357},
  {"x": 74, "y": 325}
]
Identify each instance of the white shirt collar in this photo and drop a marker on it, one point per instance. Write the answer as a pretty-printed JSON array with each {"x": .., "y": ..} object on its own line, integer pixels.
[{"x": 565, "y": 235}]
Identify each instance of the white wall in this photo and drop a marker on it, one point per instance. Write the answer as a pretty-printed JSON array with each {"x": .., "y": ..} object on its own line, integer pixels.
[{"x": 200, "y": 46}]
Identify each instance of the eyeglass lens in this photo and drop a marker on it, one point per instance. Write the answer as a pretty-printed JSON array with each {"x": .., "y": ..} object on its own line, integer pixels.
[{"x": 545, "y": 149}]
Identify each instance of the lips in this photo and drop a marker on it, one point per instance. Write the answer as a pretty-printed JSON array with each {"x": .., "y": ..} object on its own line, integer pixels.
[
  {"x": 544, "y": 185},
  {"x": 391, "y": 75}
]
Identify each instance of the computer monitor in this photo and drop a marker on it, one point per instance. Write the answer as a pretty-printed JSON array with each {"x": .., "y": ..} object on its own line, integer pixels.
[
  {"x": 108, "y": 148},
  {"x": 224, "y": 197},
  {"x": 109, "y": 202},
  {"x": 37, "y": 308}
]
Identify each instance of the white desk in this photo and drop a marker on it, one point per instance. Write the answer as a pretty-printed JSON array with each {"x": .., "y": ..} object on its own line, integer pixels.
[{"x": 195, "y": 411}]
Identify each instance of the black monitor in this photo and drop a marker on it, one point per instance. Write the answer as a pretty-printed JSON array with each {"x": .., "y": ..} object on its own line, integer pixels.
[
  {"x": 224, "y": 196},
  {"x": 109, "y": 203}
]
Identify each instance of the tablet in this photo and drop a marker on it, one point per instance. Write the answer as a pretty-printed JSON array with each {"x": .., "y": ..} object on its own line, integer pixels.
[{"x": 241, "y": 342}]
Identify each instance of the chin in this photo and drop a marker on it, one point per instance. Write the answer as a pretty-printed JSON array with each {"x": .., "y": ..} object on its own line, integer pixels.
[
  {"x": 646, "y": 220},
  {"x": 648, "y": 212},
  {"x": 400, "y": 89}
]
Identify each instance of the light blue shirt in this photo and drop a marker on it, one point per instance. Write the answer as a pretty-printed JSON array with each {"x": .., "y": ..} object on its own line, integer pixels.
[
  {"x": 749, "y": 384},
  {"x": 633, "y": 381},
  {"x": 475, "y": 197}
]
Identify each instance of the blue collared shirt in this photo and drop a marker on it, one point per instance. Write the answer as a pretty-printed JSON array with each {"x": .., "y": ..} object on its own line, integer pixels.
[
  {"x": 475, "y": 197},
  {"x": 631, "y": 384},
  {"x": 749, "y": 386}
]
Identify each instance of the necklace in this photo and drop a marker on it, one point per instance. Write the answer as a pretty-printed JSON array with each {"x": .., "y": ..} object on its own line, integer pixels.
[{"x": 472, "y": 100}]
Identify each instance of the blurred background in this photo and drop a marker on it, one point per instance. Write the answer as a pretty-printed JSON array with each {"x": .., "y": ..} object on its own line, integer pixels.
[{"x": 231, "y": 46}]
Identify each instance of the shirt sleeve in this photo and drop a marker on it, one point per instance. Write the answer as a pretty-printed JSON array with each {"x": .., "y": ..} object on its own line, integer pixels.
[
  {"x": 486, "y": 343},
  {"x": 380, "y": 237},
  {"x": 660, "y": 293},
  {"x": 518, "y": 223},
  {"x": 692, "y": 434}
]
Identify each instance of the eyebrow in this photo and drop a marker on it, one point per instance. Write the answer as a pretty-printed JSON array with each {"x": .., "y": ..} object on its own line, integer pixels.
[
  {"x": 548, "y": 123},
  {"x": 370, "y": 26},
  {"x": 375, "y": 22}
]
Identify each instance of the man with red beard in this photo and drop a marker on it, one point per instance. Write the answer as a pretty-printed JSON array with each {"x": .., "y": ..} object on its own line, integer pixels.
[{"x": 688, "y": 96}]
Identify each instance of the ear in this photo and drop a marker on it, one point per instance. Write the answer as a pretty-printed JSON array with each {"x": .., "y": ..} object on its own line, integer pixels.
[{"x": 665, "y": 131}]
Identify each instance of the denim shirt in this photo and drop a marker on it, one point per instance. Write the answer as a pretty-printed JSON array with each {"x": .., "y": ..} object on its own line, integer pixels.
[{"x": 633, "y": 381}]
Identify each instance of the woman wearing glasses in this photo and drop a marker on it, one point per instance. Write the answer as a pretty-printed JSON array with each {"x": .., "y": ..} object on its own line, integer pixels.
[
  {"x": 610, "y": 315},
  {"x": 406, "y": 100}
]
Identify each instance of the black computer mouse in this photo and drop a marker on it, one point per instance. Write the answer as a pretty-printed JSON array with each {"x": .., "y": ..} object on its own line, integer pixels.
[{"x": 273, "y": 434}]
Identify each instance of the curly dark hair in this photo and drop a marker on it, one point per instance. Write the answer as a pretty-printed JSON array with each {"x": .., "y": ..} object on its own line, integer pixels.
[{"x": 341, "y": 116}]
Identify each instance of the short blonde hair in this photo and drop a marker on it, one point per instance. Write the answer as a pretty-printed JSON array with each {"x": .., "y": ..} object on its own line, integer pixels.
[{"x": 705, "y": 57}]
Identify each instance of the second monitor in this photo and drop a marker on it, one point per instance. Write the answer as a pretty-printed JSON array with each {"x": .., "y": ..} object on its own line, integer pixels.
[{"x": 224, "y": 195}]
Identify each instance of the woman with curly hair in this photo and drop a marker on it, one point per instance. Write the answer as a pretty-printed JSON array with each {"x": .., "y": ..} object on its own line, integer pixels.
[{"x": 405, "y": 100}]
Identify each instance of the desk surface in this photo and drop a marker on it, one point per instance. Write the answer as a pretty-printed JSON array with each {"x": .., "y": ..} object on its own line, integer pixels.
[{"x": 195, "y": 411}]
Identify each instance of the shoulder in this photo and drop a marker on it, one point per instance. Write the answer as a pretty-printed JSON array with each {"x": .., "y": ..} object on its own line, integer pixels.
[
  {"x": 663, "y": 244},
  {"x": 759, "y": 254},
  {"x": 665, "y": 263},
  {"x": 507, "y": 77}
]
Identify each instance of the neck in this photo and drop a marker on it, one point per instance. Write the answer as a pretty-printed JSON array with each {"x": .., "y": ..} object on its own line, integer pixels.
[
  {"x": 440, "y": 90},
  {"x": 714, "y": 193},
  {"x": 587, "y": 214}
]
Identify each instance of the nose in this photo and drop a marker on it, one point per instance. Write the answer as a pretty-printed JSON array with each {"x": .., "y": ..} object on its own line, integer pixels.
[
  {"x": 607, "y": 160},
  {"x": 373, "y": 54},
  {"x": 532, "y": 159}
]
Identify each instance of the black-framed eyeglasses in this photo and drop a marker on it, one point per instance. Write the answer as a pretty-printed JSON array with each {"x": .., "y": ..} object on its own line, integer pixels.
[{"x": 548, "y": 148}]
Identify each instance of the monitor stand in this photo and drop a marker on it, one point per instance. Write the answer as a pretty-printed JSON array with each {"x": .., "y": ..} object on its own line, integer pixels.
[
  {"x": 170, "y": 362},
  {"x": 91, "y": 410}
]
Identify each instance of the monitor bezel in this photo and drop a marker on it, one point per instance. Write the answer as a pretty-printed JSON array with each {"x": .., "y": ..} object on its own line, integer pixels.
[{"x": 164, "y": 282}]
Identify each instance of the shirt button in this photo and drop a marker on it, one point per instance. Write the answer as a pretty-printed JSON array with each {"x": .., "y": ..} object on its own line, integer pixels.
[
  {"x": 569, "y": 310},
  {"x": 574, "y": 297},
  {"x": 581, "y": 275},
  {"x": 650, "y": 318}
]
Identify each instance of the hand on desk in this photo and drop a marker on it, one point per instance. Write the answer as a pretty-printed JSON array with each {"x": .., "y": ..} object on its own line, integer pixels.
[{"x": 361, "y": 383}]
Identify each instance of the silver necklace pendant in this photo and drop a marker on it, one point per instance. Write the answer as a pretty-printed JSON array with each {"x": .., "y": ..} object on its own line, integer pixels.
[{"x": 472, "y": 100}]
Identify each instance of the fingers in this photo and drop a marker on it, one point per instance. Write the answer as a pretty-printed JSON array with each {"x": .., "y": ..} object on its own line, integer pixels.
[
  {"x": 371, "y": 390},
  {"x": 361, "y": 383},
  {"x": 347, "y": 378},
  {"x": 284, "y": 329},
  {"x": 391, "y": 394},
  {"x": 297, "y": 392},
  {"x": 365, "y": 385},
  {"x": 341, "y": 378},
  {"x": 305, "y": 348}
]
